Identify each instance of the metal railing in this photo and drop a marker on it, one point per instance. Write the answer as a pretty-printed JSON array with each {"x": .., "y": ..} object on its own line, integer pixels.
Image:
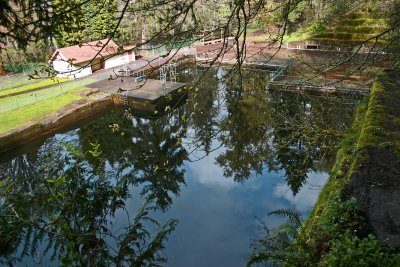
[
  {"x": 274, "y": 75},
  {"x": 163, "y": 49}
]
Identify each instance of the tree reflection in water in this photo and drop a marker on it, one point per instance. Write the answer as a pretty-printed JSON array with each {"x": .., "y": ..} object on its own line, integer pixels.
[
  {"x": 60, "y": 207},
  {"x": 288, "y": 133},
  {"x": 61, "y": 201},
  {"x": 151, "y": 151},
  {"x": 291, "y": 134}
]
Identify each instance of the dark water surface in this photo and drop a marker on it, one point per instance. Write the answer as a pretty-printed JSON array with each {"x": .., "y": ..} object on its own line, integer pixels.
[{"x": 210, "y": 168}]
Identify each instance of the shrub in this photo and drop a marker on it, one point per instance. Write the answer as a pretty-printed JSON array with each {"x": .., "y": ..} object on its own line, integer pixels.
[
  {"x": 349, "y": 250},
  {"x": 316, "y": 27}
]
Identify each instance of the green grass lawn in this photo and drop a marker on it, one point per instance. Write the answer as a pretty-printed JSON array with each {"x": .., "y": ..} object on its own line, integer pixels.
[
  {"x": 353, "y": 27},
  {"x": 18, "y": 101},
  {"x": 31, "y": 86},
  {"x": 31, "y": 113},
  {"x": 295, "y": 37}
]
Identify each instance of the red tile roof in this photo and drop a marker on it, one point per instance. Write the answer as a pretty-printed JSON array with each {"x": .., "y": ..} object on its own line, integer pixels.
[
  {"x": 87, "y": 51},
  {"x": 128, "y": 47}
]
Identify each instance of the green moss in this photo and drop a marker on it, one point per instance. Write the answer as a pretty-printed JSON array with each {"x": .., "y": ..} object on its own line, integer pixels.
[
  {"x": 359, "y": 29},
  {"x": 339, "y": 174},
  {"x": 339, "y": 41},
  {"x": 332, "y": 230},
  {"x": 353, "y": 27},
  {"x": 381, "y": 128}
]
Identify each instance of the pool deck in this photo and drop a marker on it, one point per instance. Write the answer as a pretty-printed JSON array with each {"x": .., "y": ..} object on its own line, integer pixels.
[{"x": 150, "y": 90}]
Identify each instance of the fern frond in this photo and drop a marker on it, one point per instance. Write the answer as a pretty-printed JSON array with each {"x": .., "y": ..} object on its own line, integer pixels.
[{"x": 292, "y": 215}]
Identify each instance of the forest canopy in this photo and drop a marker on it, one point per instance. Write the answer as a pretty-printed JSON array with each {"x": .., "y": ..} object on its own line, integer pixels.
[{"x": 59, "y": 23}]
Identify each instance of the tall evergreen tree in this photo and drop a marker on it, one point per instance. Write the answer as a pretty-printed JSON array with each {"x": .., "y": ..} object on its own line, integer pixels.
[
  {"x": 100, "y": 19},
  {"x": 91, "y": 21}
]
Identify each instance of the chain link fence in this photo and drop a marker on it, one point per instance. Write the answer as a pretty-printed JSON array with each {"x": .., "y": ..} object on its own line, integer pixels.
[
  {"x": 164, "y": 49},
  {"x": 20, "y": 76},
  {"x": 12, "y": 81},
  {"x": 16, "y": 102}
]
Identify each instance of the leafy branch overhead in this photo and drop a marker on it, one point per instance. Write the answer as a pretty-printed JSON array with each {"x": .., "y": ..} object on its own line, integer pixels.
[{"x": 149, "y": 23}]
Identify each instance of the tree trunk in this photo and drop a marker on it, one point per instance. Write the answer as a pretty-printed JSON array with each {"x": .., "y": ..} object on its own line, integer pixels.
[
  {"x": 2, "y": 69},
  {"x": 143, "y": 28}
]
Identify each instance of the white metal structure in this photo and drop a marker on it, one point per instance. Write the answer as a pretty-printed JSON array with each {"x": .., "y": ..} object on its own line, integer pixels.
[
  {"x": 125, "y": 96},
  {"x": 172, "y": 71},
  {"x": 163, "y": 73}
]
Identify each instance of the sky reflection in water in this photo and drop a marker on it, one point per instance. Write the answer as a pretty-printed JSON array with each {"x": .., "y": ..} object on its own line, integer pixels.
[{"x": 266, "y": 149}]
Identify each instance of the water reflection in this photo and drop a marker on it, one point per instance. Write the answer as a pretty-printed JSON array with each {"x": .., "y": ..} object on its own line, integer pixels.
[
  {"x": 57, "y": 207},
  {"x": 151, "y": 152},
  {"x": 290, "y": 134},
  {"x": 63, "y": 203}
]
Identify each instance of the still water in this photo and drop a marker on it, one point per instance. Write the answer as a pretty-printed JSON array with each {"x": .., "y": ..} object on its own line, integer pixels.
[{"x": 187, "y": 186}]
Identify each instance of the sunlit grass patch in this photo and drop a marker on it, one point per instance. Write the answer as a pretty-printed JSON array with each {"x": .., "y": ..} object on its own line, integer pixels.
[
  {"x": 31, "y": 113},
  {"x": 35, "y": 85},
  {"x": 19, "y": 101},
  {"x": 294, "y": 37}
]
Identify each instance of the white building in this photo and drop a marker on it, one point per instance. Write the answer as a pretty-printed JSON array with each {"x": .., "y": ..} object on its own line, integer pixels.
[{"x": 81, "y": 60}]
